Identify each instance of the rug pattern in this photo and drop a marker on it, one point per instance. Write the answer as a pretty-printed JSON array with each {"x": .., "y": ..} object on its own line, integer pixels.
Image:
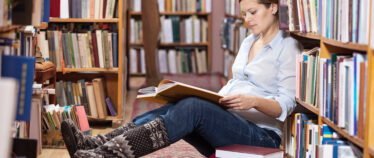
[{"x": 181, "y": 148}]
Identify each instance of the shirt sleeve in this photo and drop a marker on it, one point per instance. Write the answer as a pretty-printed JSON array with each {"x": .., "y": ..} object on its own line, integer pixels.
[{"x": 286, "y": 91}]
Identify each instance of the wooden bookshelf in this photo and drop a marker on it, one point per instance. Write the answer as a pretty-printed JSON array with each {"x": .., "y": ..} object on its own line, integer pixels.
[
  {"x": 308, "y": 106},
  {"x": 306, "y": 35},
  {"x": 349, "y": 45},
  {"x": 174, "y": 13},
  {"x": 359, "y": 142},
  {"x": 113, "y": 70},
  {"x": 233, "y": 16},
  {"x": 74, "y": 20},
  {"x": 137, "y": 74}
]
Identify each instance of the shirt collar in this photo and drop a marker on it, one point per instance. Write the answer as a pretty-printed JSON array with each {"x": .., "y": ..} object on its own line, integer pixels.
[{"x": 273, "y": 42}]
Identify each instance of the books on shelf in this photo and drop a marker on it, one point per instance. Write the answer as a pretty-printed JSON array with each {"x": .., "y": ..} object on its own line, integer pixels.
[
  {"x": 172, "y": 91},
  {"x": 242, "y": 151},
  {"x": 337, "y": 85},
  {"x": 201, "y": 6},
  {"x": 232, "y": 8},
  {"x": 90, "y": 94},
  {"x": 90, "y": 49},
  {"x": 232, "y": 34}
]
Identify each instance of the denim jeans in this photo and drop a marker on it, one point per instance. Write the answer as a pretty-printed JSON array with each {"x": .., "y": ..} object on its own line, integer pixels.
[{"x": 206, "y": 126}]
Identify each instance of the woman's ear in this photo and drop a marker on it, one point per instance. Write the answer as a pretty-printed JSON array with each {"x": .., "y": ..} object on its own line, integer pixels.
[{"x": 274, "y": 8}]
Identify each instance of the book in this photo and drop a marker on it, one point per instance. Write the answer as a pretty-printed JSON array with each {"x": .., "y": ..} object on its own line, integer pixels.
[
  {"x": 22, "y": 69},
  {"x": 110, "y": 107},
  {"x": 242, "y": 151},
  {"x": 172, "y": 91},
  {"x": 82, "y": 120}
]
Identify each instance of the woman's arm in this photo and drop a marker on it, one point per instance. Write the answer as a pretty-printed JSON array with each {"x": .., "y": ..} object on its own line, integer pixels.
[{"x": 269, "y": 107}]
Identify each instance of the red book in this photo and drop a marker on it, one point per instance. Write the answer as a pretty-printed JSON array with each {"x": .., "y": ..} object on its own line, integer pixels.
[
  {"x": 95, "y": 53},
  {"x": 244, "y": 151}
]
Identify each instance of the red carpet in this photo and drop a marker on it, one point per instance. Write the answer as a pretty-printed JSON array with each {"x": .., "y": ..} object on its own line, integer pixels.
[{"x": 181, "y": 148}]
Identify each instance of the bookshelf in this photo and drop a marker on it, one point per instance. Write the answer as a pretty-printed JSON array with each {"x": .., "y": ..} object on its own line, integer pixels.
[
  {"x": 136, "y": 15},
  {"x": 329, "y": 33},
  {"x": 113, "y": 76}
]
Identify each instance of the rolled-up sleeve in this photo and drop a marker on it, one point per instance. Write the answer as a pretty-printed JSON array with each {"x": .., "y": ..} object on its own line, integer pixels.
[{"x": 286, "y": 91}]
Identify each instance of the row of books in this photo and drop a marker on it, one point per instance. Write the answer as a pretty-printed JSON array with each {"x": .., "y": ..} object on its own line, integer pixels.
[
  {"x": 201, "y": 6},
  {"x": 232, "y": 7},
  {"x": 232, "y": 34},
  {"x": 97, "y": 48},
  {"x": 337, "y": 85},
  {"x": 19, "y": 44},
  {"x": 53, "y": 115},
  {"x": 90, "y": 94},
  {"x": 189, "y": 30},
  {"x": 345, "y": 21},
  {"x": 227, "y": 63},
  {"x": 174, "y": 61},
  {"x": 302, "y": 139},
  {"x": 86, "y": 9}
]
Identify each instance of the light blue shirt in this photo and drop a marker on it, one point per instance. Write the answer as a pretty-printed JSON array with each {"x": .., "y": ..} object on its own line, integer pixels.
[{"x": 271, "y": 75}]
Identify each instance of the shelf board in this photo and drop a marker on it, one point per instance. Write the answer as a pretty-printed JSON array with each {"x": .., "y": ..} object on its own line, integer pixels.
[
  {"x": 9, "y": 28},
  {"x": 173, "y": 44},
  {"x": 137, "y": 74},
  {"x": 108, "y": 118},
  {"x": 173, "y": 13},
  {"x": 77, "y": 20},
  {"x": 349, "y": 45},
  {"x": 88, "y": 70},
  {"x": 308, "y": 106},
  {"x": 314, "y": 36},
  {"x": 344, "y": 133}
]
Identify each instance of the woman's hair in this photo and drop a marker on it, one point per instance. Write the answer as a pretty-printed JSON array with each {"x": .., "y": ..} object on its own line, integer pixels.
[{"x": 266, "y": 3}]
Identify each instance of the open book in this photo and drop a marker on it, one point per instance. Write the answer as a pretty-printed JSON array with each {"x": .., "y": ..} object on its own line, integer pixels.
[{"x": 172, "y": 91}]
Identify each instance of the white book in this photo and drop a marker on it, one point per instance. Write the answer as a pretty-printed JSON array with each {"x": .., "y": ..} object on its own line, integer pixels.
[
  {"x": 197, "y": 32},
  {"x": 363, "y": 22},
  {"x": 107, "y": 9},
  {"x": 64, "y": 9},
  {"x": 306, "y": 16},
  {"x": 112, "y": 6},
  {"x": 188, "y": 30},
  {"x": 88, "y": 9},
  {"x": 208, "y": 6},
  {"x": 91, "y": 99},
  {"x": 325, "y": 151},
  {"x": 88, "y": 50},
  {"x": 83, "y": 9},
  {"x": 168, "y": 30},
  {"x": 132, "y": 30},
  {"x": 8, "y": 97},
  {"x": 172, "y": 62},
  {"x": 162, "y": 61},
  {"x": 76, "y": 51},
  {"x": 161, "y": 5},
  {"x": 345, "y": 22},
  {"x": 142, "y": 58},
  {"x": 100, "y": 47},
  {"x": 350, "y": 107},
  {"x": 110, "y": 49},
  {"x": 342, "y": 95},
  {"x": 82, "y": 51},
  {"x": 57, "y": 49},
  {"x": 137, "y": 5},
  {"x": 178, "y": 62},
  {"x": 43, "y": 43},
  {"x": 133, "y": 61},
  {"x": 321, "y": 85},
  {"x": 101, "y": 9},
  {"x": 97, "y": 9},
  {"x": 205, "y": 65}
]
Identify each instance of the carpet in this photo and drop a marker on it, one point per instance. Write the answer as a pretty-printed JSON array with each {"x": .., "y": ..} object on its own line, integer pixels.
[{"x": 181, "y": 148}]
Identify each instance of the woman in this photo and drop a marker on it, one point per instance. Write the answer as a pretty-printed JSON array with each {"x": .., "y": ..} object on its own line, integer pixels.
[{"x": 258, "y": 98}]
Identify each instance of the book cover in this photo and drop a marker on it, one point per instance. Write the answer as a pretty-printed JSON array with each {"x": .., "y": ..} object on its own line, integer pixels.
[
  {"x": 172, "y": 91},
  {"x": 22, "y": 69},
  {"x": 110, "y": 107},
  {"x": 82, "y": 119},
  {"x": 241, "y": 151}
]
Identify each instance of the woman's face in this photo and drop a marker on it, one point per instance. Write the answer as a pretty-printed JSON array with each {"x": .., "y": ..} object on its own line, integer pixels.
[{"x": 258, "y": 17}]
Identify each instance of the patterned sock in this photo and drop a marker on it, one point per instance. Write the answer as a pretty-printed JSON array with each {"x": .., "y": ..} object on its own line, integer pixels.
[
  {"x": 135, "y": 143},
  {"x": 80, "y": 141}
]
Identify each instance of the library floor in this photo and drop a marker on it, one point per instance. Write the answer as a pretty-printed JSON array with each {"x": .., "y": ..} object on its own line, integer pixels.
[{"x": 135, "y": 83}]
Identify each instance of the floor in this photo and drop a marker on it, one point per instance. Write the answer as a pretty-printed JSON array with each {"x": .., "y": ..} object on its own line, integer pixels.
[{"x": 135, "y": 83}]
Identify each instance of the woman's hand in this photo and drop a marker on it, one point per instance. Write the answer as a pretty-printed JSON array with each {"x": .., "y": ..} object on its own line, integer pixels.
[{"x": 239, "y": 102}]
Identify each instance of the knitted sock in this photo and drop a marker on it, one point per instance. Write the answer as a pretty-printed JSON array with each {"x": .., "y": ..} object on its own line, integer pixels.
[
  {"x": 75, "y": 140},
  {"x": 135, "y": 143}
]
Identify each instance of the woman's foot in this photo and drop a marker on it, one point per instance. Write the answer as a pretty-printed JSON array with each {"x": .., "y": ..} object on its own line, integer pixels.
[
  {"x": 75, "y": 140},
  {"x": 134, "y": 143}
]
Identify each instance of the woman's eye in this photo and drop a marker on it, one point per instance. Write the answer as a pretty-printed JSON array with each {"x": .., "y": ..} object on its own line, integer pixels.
[{"x": 253, "y": 13}]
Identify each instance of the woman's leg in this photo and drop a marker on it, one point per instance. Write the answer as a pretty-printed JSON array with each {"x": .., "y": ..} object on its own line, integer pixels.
[
  {"x": 200, "y": 144},
  {"x": 214, "y": 124},
  {"x": 75, "y": 140}
]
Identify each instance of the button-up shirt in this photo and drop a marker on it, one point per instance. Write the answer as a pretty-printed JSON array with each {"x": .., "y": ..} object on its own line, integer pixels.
[{"x": 271, "y": 74}]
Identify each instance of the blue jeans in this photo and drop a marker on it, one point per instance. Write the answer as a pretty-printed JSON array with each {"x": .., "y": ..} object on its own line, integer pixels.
[{"x": 207, "y": 126}]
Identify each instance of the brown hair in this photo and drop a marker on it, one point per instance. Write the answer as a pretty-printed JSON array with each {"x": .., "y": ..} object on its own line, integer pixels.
[{"x": 267, "y": 3}]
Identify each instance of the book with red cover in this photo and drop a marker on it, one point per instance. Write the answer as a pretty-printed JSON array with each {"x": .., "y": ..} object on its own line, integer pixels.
[
  {"x": 244, "y": 151},
  {"x": 82, "y": 119},
  {"x": 95, "y": 53}
]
